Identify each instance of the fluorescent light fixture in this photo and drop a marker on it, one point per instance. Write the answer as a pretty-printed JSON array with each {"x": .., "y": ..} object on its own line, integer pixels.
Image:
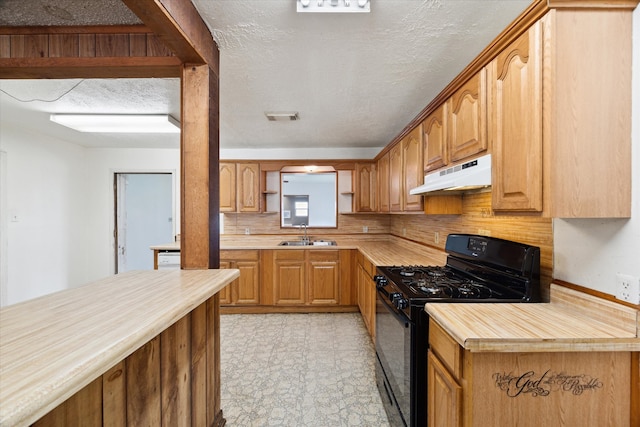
[
  {"x": 118, "y": 123},
  {"x": 308, "y": 169},
  {"x": 281, "y": 116},
  {"x": 328, "y": 6}
]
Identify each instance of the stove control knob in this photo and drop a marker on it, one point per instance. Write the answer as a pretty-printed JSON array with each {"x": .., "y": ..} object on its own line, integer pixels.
[
  {"x": 401, "y": 303},
  {"x": 380, "y": 280},
  {"x": 394, "y": 296}
]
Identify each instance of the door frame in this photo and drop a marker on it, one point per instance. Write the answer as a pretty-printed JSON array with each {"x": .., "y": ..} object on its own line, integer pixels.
[{"x": 113, "y": 221}]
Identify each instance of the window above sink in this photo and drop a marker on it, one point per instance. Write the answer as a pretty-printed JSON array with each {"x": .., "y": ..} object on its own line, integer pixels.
[{"x": 309, "y": 199}]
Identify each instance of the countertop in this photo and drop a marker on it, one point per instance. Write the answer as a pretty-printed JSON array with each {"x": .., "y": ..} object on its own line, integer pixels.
[
  {"x": 380, "y": 249},
  {"x": 572, "y": 321},
  {"x": 53, "y": 346}
]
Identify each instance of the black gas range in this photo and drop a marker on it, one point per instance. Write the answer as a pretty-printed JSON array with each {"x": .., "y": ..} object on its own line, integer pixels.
[{"x": 478, "y": 269}]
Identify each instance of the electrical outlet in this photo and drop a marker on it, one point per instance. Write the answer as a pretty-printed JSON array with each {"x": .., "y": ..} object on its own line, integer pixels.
[
  {"x": 247, "y": 230},
  {"x": 404, "y": 232},
  {"x": 365, "y": 229},
  {"x": 436, "y": 237},
  {"x": 628, "y": 288}
]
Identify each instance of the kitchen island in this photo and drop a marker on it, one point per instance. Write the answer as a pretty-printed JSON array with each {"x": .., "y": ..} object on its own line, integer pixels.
[
  {"x": 572, "y": 361},
  {"x": 135, "y": 348}
]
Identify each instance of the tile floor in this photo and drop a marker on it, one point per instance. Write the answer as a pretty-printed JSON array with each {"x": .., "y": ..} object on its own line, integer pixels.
[{"x": 298, "y": 370}]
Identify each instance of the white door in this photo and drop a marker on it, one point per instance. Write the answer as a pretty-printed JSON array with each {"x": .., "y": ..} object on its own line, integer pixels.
[{"x": 144, "y": 217}]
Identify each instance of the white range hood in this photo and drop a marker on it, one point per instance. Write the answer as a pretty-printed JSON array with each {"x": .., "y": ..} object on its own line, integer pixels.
[{"x": 470, "y": 175}]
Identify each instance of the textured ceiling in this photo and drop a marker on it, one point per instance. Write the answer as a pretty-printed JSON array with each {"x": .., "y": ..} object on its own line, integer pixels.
[
  {"x": 65, "y": 12},
  {"x": 355, "y": 79}
]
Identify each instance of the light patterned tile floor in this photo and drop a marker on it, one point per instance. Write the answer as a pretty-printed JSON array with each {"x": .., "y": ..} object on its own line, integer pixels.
[{"x": 299, "y": 370}]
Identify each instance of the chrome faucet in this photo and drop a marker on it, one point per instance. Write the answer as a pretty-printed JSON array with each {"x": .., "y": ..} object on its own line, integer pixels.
[{"x": 305, "y": 238}]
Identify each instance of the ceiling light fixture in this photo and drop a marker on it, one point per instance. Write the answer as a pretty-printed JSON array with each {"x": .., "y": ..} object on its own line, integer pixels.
[
  {"x": 308, "y": 169},
  {"x": 282, "y": 116},
  {"x": 340, "y": 6},
  {"x": 118, "y": 123}
]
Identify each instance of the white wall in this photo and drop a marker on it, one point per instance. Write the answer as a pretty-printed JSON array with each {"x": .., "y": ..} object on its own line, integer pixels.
[
  {"x": 589, "y": 252},
  {"x": 45, "y": 182},
  {"x": 103, "y": 163},
  {"x": 62, "y": 198}
]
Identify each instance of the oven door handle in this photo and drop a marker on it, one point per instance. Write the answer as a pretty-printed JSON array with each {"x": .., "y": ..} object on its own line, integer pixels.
[{"x": 400, "y": 316}]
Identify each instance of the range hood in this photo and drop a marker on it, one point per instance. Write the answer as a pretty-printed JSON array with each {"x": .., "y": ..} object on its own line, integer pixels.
[{"x": 471, "y": 175}]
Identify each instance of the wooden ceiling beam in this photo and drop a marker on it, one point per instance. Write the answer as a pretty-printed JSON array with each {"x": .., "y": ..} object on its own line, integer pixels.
[
  {"x": 96, "y": 68},
  {"x": 179, "y": 25}
]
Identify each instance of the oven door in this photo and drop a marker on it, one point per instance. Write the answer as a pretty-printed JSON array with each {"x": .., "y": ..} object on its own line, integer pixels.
[{"x": 393, "y": 348}]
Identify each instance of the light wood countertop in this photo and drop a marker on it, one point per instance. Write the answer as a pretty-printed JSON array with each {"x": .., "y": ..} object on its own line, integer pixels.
[
  {"x": 53, "y": 346},
  {"x": 569, "y": 323},
  {"x": 380, "y": 249}
]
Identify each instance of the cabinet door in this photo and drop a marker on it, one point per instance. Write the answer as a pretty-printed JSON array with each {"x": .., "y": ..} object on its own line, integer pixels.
[
  {"x": 248, "y": 195},
  {"x": 383, "y": 183},
  {"x": 289, "y": 277},
  {"x": 444, "y": 396},
  {"x": 324, "y": 277},
  {"x": 363, "y": 297},
  {"x": 365, "y": 187},
  {"x": 395, "y": 178},
  {"x": 413, "y": 173},
  {"x": 434, "y": 140},
  {"x": 225, "y": 293},
  {"x": 467, "y": 118},
  {"x": 516, "y": 124},
  {"x": 227, "y": 187},
  {"x": 247, "y": 290}
]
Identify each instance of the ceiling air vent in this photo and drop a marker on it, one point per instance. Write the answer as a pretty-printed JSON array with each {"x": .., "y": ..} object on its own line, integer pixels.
[{"x": 273, "y": 117}]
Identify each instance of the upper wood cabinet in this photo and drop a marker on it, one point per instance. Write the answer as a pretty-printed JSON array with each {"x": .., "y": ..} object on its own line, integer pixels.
[
  {"x": 434, "y": 134},
  {"x": 395, "y": 178},
  {"x": 413, "y": 173},
  {"x": 457, "y": 129},
  {"x": 365, "y": 187},
  {"x": 239, "y": 187},
  {"x": 383, "y": 183},
  {"x": 561, "y": 117},
  {"x": 248, "y": 195},
  {"x": 227, "y": 187},
  {"x": 406, "y": 172},
  {"x": 467, "y": 119},
  {"x": 516, "y": 124}
]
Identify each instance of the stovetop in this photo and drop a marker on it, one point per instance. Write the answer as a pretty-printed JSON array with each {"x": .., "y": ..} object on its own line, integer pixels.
[{"x": 420, "y": 284}]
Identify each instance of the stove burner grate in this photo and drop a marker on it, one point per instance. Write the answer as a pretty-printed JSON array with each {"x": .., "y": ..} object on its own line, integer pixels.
[{"x": 440, "y": 282}]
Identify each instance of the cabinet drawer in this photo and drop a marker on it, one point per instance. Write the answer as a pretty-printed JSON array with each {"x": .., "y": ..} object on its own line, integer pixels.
[
  {"x": 240, "y": 255},
  {"x": 324, "y": 255},
  {"x": 447, "y": 349},
  {"x": 366, "y": 264}
]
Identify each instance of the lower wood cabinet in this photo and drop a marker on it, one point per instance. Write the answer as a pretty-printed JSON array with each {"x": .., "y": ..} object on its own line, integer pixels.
[
  {"x": 246, "y": 289},
  {"x": 289, "y": 277},
  {"x": 366, "y": 293},
  {"x": 306, "y": 279},
  {"x": 585, "y": 388},
  {"x": 172, "y": 380}
]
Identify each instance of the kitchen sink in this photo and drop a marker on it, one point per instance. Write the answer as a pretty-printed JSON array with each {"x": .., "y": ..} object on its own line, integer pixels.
[{"x": 307, "y": 243}]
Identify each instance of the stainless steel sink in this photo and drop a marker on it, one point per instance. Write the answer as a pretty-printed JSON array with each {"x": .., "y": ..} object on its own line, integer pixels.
[{"x": 307, "y": 243}]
